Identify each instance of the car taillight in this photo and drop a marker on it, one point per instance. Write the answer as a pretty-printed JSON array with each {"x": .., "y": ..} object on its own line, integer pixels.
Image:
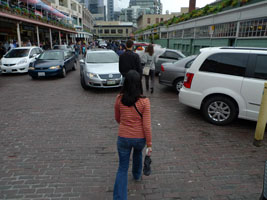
[
  {"x": 188, "y": 80},
  {"x": 162, "y": 68}
]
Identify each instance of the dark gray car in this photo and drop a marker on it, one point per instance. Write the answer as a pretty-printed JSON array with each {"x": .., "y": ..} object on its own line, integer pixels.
[
  {"x": 170, "y": 55},
  {"x": 172, "y": 74}
]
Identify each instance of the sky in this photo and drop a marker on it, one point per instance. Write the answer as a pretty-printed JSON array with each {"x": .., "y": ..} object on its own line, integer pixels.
[{"x": 171, "y": 5}]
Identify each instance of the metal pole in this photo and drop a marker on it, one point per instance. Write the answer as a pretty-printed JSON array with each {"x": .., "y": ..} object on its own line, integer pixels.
[
  {"x": 59, "y": 35},
  {"x": 37, "y": 34},
  {"x": 261, "y": 124},
  {"x": 18, "y": 34},
  {"x": 50, "y": 34}
]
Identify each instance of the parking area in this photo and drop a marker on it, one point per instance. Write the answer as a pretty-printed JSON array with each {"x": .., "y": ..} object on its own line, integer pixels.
[{"x": 58, "y": 141}]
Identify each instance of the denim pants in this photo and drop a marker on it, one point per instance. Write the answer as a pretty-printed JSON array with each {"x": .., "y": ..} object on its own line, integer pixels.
[{"x": 125, "y": 146}]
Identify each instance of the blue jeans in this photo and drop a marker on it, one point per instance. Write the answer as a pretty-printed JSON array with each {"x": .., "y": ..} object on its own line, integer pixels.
[{"x": 125, "y": 146}]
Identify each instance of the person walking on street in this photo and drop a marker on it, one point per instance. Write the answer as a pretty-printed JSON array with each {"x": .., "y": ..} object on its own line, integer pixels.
[
  {"x": 132, "y": 112},
  {"x": 129, "y": 60},
  {"x": 77, "y": 48},
  {"x": 150, "y": 60}
]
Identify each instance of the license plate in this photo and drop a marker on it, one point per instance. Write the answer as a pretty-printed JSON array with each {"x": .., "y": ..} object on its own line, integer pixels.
[
  {"x": 111, "y": 82},
  {"x": 41, "y": 73},
  {"x": 8, "y": 70}
]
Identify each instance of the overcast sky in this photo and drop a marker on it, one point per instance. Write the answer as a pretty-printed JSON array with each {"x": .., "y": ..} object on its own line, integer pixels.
[{"x": 171, "y": 5}]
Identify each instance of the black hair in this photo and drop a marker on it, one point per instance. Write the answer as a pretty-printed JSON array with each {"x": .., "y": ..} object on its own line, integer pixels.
[
  {"x": 131, "y": 90},
  {"x": 150, "y": 49},
  {"x": 129, "y": 43}
]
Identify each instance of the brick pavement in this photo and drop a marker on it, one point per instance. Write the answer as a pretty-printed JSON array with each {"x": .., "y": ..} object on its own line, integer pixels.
[{"x": 59, "y": 142}]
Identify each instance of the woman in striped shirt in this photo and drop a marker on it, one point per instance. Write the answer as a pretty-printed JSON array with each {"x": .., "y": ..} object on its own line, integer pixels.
[{"x": 132, "y": 112}]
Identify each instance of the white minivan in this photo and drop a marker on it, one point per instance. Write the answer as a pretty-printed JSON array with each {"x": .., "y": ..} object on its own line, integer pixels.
[{"x": 226, "y": 83}]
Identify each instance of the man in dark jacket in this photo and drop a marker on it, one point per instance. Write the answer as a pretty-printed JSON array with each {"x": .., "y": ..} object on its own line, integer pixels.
[{"x": 129, "y": 60}]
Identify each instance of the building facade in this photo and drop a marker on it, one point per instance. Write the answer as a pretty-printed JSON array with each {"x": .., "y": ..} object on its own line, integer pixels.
[
  {"x": 110, "y": 8},
  {"x": 244, "y": 26},
  {"x": 148, "y": 20},
  {"x": 140, "y": 7},
  {"x": 70, "y": 8},
  {"x": 113, "y": 30},
  {"x": 97, "y": 8},
  {"x": 38, "y": 23},
  {"x": 154, "y": 5}
]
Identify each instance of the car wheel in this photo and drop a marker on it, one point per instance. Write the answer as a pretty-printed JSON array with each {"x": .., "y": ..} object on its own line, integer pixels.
[
  {"x": 83, "y": 84},
  {"x": 219, "y": 110},
  {"x": 63, "y": 73},
  {"x": 74, "y": 66},
  {"x": 178, "y": 84}
]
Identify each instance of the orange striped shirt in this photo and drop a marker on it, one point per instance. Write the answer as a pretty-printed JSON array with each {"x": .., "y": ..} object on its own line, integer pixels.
[{"x": 131, "y": 123}]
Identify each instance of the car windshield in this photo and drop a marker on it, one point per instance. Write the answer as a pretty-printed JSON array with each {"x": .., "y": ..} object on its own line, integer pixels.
[
  {"x": 102, "y": 57},
  {"x": 17, "y": 53},
  {"x": 59, "y": 47},
  {"x": 51, "y": 55}
]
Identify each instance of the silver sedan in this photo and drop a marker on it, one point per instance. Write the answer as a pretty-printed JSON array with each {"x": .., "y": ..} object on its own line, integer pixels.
[
  {"x": 100, "y": 69},
  {"x": 172, "y": 74}
]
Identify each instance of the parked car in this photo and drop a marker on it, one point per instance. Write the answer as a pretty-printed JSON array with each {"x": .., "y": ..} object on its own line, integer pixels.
[
  {"x": 226, "y": 83},
  {"x": 172, "y": 74},
  {"x": 64, "y": 47},
  {"x": 53, "y": 63},
  {"x": 170, "y": 55},
  {"x": 102, "y": 44},
  {"x": 17, "y": 60},
  {"x": 100, "y": 69}
]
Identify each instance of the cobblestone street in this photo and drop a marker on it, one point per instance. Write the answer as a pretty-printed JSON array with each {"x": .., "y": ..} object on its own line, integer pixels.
[{"x": 58, "y": 141}]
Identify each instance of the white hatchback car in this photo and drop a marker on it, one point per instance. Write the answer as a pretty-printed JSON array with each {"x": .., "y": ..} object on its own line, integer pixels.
[
  {"x": 17, "y": 60},
  {"x": 226, "y": 83}
]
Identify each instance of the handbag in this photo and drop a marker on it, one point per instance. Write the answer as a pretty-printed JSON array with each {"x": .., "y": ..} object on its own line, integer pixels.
[
  {"x": 146, "y": 70},
  {"x": 147, "y": 167}
]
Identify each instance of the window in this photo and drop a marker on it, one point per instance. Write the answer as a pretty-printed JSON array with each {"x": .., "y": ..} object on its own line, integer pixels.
[
  {"x": 253, "y": 28},
  {"x": 225, "y": 30},
  {"x": 120, "y": 31},
  {"x": 148, "y": 20},
  {"x": 261, "y": 67},
  {"x": 202, "y": 32},
  {"x": 63, "y": 3},
  {"x": 73, "y": 6},
  {"x": 126, "y": 30},
  {"x": 161, "y": 19},
  {"x": 113, "y": 31},
  {"x": 157, "y": 20},
  {"x": 188, "y": 65},
  {"x": 172, "y": 55},
  {"x": 178, "y": 34},
  {"x": 164, "y": 35},
  {"x": 226, "y": 63},
  {"x": 33, "y": 51},
  {"x": 100, "y": 30},
  {"x": 106, "y": 31},
  {"x": 189, "y": 33}
]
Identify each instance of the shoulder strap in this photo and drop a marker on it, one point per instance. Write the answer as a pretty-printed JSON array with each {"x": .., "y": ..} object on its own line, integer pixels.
[{"x": 138, "y": 111}]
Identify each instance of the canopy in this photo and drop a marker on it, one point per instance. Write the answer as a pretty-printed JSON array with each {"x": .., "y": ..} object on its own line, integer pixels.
[{"x": 46, "y": 7}]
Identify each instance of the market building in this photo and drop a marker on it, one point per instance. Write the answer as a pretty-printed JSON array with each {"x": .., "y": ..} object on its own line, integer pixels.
[
  {"x": 113, "y": 30},
  {"x": 34, "y": 21},
  {"x": 239, "y": 23}
]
